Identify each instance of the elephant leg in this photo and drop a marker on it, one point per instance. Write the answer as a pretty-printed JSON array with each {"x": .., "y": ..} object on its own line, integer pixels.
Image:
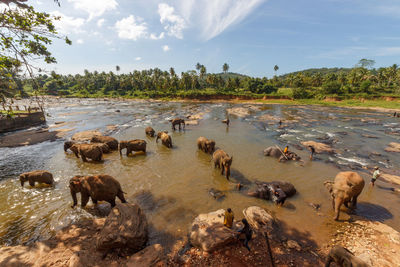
[
  {"x": 94, "y": 201},
  {"x": 127, "y": 152},
  {"x": 338, "y": 204},
  {"x": 83, "y": 158},
  {"x": 112, "y": 202},
  {"x": 215, "y": 165},
  {"x": 354, "y": 202},
  {"x": 222, "y": 168},
  {"x": 76, "y": 154},
  {"x": 84, "y": 199},
  {"x": 32, "y": 183},
  {"x": 121, "y": 196},
  {"x": 346, "y": 204},
  {"x": 333, "y": 203}
]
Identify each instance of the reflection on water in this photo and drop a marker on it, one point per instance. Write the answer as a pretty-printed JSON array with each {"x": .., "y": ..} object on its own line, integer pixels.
[{"x": 172, "y": 185}]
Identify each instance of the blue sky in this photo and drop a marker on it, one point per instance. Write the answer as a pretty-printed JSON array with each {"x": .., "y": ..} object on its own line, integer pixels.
[{"x": 250, "y": 35}]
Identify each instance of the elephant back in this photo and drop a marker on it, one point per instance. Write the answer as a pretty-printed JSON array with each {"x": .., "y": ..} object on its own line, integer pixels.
[
  {"x": 286, "y": 187},
  {"x": 349, "y": 182}
]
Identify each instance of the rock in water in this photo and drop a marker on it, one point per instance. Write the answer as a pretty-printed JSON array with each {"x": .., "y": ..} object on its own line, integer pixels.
[
  {"x": 125, "y": 227},
  {"x": 150, "y": 256},
  {"x": 259, "y": 218},
  {"x": 319, "y": 147},
  {"x": 208, "y": 232},
  {"x": 393, "y": 147}
]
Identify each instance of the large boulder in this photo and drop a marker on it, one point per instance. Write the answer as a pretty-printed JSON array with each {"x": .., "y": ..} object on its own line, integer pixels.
[
  {"x": 208, "y": 232},
  {"x": 85, "y": 135},
  {"x": 259, "y": 219},
  {"x": 319, "y": 147},
  {"x": 393, "y": 147},
  {"x": 150, "y": 256},
  {"x": 125, "y": 228},
  {"x": 390, "y": 178}
]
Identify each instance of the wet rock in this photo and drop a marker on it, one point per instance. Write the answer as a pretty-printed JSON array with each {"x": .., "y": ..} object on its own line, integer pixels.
[
  {"x": 239, "y": 111},
  {"x": 208, "y": 232},
  {"x": 125, "y": 228},
  {"x": 85, "y": 135},
  {"x": 315, "y": 206},
  {"x": 150, "y": 256},
  {"x": 393, "y": 147},
  {"x": 192, "y": 122},
  {"x": 259, "y": 218},
  {"x": 319, "y": 147},
  {"x": 216, "y": 194},
  {"x": 389, "y": 178},
  {"x": 369, "y": 136}
]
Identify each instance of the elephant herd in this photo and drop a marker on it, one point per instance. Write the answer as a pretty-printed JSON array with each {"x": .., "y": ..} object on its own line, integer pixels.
[{"x": 345, "y": 189}]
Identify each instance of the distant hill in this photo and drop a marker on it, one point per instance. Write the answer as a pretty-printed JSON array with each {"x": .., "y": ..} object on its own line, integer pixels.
[{"x": 323, "y": 71}]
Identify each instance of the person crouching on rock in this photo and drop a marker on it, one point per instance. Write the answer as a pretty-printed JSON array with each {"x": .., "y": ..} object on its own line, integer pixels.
[
  {"x": 246, "y": 230},
  {"x": 279, "y": 196},
  {"x": 228, "y": 218}
]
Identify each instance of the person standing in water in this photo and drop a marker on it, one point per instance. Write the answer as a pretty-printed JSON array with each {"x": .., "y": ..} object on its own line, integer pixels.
[
  {"x": 375, "y": 175},
  {"x": 228, "y": 218},
  {"x": 312, "y": 151}
]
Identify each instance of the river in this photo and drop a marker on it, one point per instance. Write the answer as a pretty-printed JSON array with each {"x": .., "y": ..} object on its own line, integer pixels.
[{"x": 171, "y": 185}]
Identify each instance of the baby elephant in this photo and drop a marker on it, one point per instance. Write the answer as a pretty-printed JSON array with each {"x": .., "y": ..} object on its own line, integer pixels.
[
  {"x": 178, "y": 121},
  {"x": 90, "y": 151},
  {"x": 165, "y": 138},
  {"x": 132, "y": 145},
  {"x": 205, "y": 144},
  {"x": 110, "y": 141},
  {"x": 150, "y": 131},
  {"x": 343, "y": 258},
  {"x": 98, "y": 188},
  {"x": 44, "y": 177},
  {"x": 223, "y": 161}
]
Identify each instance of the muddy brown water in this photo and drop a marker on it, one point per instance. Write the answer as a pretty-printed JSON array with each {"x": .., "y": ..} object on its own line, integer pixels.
[{"x": 172, "y": 185}]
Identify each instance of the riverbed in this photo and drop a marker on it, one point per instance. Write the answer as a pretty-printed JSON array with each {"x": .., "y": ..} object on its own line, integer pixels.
[{"x": 172, "y": 185}]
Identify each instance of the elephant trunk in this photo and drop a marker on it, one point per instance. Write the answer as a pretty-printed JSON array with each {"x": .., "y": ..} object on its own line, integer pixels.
[
  {"x": 228, "y": 172},
  {"x": 73, "y": 194}
]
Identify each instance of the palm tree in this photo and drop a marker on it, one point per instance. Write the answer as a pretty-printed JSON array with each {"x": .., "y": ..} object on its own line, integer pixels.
[
  {"x": 203, "y": 71},
  {"x": 276, "y": 68},
  {"x": 117, "y": 68},
  {"x": 225, "y": 68},
  {"x": 198, "y": 66}
]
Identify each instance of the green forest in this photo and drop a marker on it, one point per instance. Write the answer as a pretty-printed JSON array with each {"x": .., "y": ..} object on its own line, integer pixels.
[{"x": 360, "y": 81}]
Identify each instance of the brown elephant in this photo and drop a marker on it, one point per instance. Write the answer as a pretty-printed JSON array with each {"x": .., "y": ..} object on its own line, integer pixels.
[
  {"x": 104, "y": 147},
  {"x": 132, "y": 145},
  {"x": 38, "y": 176},
  {"x": 223, "y": 161},
  {"x": 110, "y": 141},
  {"x": 150, "y": 131},
  {"x": 98, "y": 188},
  {"x": 177, "y": 121},
  {"x": 344, "y": 258},
  {"x": 90, "y": 151},
  {"x": 277, "y": 191},
  {"x": 205, "y": 144},
  {"x": 346, "y": 188},
  {"x": 165, "y": 138},
  {"x": 273, "y": 151}
]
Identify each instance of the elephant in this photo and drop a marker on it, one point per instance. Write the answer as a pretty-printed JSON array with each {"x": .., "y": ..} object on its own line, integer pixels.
[
  {"x": 344, "y": 258},
  {"x": 104, "y": 147},
  {"x": 90, "y": 151},
  {"x": 110, "y": 141},
  {"x": 178, "y": 121},
  {"x": 38, "y": 176},
  {"x": 98, "y": 188},
  {"x": 346, "y": 188},
  {"x": 273, "y": 151},
  {"x": 150, "y": 131},
  {"x": 223, "y": 161},
  {"x": 277, "y": 191},
  {"x": 165, "y": 138},
  {"x": 132, "y": 145},
  {"x": 205, "y": 144}
]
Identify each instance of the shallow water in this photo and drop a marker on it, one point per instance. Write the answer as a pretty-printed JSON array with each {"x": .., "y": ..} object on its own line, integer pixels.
[{"x": 172, "y": 185}]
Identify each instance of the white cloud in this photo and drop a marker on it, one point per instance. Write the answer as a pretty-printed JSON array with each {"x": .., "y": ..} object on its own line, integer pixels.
[
  {"x": 173, "y": 23},
  {"x": 94, "y": 8},
  {"x": 159, "y": 37},
  {"x": 138, "y": 58},
  {"x": 216, "y": 16},
  {"x": 100, "y": 22},
  {"x": 79, "y": 41},
  {"x": 131, "y": 28},
  {"x": 165, "y": 48},
  {"x": 66, "y": 24}
]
